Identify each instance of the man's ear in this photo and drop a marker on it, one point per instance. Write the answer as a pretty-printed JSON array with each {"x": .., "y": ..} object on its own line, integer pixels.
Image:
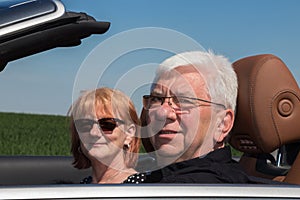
[
  {"x": 130, "y": 133},
  {"x": 225, "y": 125}
]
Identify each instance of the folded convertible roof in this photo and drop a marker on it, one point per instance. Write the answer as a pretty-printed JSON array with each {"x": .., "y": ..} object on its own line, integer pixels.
[{"x": 32, "y": 26}]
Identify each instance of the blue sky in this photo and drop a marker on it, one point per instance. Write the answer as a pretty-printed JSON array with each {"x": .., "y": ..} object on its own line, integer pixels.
[{"x": 44, "y": 83}]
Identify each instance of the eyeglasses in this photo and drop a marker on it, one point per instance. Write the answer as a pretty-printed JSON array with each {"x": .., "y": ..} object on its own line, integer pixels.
[
  {"x": 181, "y": 103},
  {"x": 107, "y": 125}
]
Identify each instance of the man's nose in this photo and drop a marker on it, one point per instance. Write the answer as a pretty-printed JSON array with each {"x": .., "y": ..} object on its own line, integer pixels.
[{"x": 166, "y": 111}]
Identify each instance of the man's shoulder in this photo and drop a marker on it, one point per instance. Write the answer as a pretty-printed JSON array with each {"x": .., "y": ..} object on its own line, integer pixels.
[{"x": 215, "y": 167}]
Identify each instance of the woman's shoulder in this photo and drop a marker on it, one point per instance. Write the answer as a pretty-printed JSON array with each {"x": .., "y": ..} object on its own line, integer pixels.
[{"x": 136, "y": 178}]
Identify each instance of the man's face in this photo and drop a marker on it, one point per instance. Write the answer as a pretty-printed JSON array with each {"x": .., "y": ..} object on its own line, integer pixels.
[{"x": 178, "y": 135}]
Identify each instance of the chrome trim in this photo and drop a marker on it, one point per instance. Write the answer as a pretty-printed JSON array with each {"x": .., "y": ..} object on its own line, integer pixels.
[
  {"x": 119, "y": 191},
  {"x": 60, "y": 10}
]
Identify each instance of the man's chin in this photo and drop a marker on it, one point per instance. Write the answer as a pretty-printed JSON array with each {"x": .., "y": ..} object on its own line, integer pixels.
[{"x": 168, "y": 154}]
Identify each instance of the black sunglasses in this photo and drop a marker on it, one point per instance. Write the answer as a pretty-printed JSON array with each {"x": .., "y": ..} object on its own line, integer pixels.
[{"x": 107, "y": 125}]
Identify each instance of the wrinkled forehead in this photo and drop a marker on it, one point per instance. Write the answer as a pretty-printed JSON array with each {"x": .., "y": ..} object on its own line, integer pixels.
[{"x": 182, "y": 81}]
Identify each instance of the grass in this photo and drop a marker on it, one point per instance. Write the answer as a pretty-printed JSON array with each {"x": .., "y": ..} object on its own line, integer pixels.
[{"x": 31, "y": 134}]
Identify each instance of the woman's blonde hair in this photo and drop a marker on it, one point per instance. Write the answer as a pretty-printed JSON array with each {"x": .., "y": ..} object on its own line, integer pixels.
[{"x": 121, "y": 106}]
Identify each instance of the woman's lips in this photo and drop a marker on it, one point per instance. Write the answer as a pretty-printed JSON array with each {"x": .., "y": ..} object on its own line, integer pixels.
[{"x": 97, "y": 143}]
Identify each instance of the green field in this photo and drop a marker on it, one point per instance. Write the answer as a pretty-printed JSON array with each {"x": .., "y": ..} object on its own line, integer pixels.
[{"x": 31, "y": 134}]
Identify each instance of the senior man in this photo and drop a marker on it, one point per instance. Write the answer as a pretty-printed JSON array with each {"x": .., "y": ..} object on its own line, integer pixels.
[{"x": 188, "y": 115}]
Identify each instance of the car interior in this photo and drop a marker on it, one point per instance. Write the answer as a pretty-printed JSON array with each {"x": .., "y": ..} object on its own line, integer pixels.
[
  {"x": 267, "y": 116},
  {"x": 266, "y": 128},
  {"x": 48, "y": 170}
]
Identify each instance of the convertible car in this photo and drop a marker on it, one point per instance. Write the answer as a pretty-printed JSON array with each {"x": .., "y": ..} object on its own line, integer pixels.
[{"x": 266, "y": 130}]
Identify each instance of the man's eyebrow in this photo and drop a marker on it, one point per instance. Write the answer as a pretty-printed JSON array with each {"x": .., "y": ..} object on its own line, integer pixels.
[
  {"x": 156, "y": 93},
  {"x": 182, "y": 93}
]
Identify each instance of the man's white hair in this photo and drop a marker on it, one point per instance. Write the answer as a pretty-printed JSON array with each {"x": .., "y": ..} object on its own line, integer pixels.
[{"x": 217, "y": 71}]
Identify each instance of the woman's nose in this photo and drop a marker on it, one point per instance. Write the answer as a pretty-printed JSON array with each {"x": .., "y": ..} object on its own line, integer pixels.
[{"x": 95, "y": 131}]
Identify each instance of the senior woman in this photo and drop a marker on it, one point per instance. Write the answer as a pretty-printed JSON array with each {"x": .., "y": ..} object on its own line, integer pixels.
[{"x": 105, "y": 135}]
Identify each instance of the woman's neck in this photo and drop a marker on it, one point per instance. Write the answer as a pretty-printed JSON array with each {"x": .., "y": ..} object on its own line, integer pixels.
[{"x": 105, "y": 174}]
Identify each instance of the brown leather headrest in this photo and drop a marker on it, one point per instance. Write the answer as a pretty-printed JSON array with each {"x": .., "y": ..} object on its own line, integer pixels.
[{"x": 268, "y": 105}]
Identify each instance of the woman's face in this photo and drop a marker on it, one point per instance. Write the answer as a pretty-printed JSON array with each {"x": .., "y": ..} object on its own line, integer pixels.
[{"x": 102, "y": 135}]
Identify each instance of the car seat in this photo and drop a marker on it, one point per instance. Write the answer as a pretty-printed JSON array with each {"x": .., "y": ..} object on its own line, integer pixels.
[{"x": 267, "y": 117}]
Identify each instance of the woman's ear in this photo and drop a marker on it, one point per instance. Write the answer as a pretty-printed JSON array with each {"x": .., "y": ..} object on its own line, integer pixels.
[
  {"x": 225, "y": 125},
  {"x": 130, "y": 133}
]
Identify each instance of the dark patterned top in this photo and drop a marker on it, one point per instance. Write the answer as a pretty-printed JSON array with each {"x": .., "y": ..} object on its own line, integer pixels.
[
  {"x": 136, "y": 178},
  {"x": 87, "y": 180},
  {"x": 215, "y": 167}
]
